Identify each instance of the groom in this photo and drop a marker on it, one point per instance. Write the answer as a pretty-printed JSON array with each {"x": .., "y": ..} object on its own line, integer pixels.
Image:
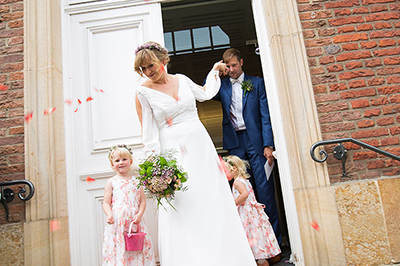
[{"x": 247, "y": 131}]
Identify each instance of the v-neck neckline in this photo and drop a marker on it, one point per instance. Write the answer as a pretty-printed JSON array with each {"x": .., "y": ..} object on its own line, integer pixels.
[{"x": 167, "y": 95}]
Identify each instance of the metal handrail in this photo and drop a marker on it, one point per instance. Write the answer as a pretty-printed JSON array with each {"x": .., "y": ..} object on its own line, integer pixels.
[
  {"x": 340, "y": 152},
  {"x": 7, "y": 194}
]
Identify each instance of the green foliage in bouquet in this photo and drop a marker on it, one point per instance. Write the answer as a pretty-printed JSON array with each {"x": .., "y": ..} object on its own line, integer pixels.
[{"x": 161, "y": 177}]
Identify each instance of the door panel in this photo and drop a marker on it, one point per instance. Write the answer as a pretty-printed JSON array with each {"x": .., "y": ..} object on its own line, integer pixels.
[{"x": 98, "y": 54}]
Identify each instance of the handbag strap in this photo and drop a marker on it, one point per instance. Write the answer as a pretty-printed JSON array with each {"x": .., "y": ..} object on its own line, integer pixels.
[{"x": 130, "y": 228}]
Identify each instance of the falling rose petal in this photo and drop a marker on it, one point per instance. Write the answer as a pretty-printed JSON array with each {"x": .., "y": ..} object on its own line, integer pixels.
[
  {"x": 88, "y": 99},
  {"x": 3, "y": 87},
  {"x": 223, "y": 167},
  {"x": 49, "y": 111},
  {"x": 183, "y": 148},
  {"x": 79, "y": 101},
  {"x": 98, "y": 90},
  {"x": 76, "y": 110},
  {"x": 89, "y": 179},
  {"x": 315, "y": 225},
  {"x": 177, "y": 98},
  {"x": 169, "y": 121},
  {"x": 55, "y": 225},
  {"x": 69, "y": 102},
  {"x": 28, "y": 117}
]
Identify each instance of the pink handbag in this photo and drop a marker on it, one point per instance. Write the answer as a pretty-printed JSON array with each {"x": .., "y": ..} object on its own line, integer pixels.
[{"x": 134, "y": 241}]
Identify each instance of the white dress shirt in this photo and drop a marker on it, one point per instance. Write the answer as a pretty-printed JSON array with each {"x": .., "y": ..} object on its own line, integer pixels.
[{"x": 236, "y": 108}]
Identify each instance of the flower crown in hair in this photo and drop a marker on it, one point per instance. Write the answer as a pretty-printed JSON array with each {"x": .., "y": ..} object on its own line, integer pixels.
[
  {"x": 226, "y": 159},
  {"x": 118, "y": 146},
  {"x": 151, "y": 46}
]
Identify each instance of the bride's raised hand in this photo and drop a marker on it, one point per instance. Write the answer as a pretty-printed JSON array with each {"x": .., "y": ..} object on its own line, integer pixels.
[{"x": 221, "y": 67}]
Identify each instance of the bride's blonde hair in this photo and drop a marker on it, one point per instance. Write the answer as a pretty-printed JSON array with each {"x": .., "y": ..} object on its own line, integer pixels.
[
  {"x": 150, "y": 53},
  {"x": 241, "y": 165}
]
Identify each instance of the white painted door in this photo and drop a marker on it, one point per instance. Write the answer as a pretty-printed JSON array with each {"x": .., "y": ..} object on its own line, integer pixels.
[{"x": 99, "y": 40}]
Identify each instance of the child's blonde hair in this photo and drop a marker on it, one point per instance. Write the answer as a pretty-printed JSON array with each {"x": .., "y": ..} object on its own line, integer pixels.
[
  {"x": 241, "y": 165},
  {"x": 123, "y": 151},
  {"x": 150, "y": 53}
]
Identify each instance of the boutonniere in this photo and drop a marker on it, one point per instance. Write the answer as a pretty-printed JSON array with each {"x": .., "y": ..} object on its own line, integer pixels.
[{"x": 247, "y": 86}]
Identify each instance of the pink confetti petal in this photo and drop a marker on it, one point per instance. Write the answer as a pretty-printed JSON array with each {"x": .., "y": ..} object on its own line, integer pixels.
[
  {"x": 89, "y": 179},
  {"x": 223, "y": 167},
  {"x": 28, "y": 117},
  {"x": 169, "y": 121},
  {"x": 49, "y": 111},
  {"x": 3, "y": 87},
  {"x": 76, "y": 110},
  {"x": 98, "y": 90},
  {"x": 183, "y": 148},
  {"x": 55, "y": 225},
  {"x": 88, "y": 99},
  {"x": 79, "y": 101},
  {"x": 315, "y": 225},
  {"x": 69, "y": 102}
]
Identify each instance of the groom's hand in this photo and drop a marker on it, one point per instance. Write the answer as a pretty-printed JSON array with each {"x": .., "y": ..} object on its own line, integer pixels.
[{"x": 268, "y": 155}]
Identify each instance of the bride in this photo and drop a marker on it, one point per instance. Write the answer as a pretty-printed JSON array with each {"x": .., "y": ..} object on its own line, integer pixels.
[{"x": 205, "y": 229}]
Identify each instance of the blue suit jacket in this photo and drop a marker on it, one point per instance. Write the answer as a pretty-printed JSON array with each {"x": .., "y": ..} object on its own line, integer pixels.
[{"x": 255, "y": 115}]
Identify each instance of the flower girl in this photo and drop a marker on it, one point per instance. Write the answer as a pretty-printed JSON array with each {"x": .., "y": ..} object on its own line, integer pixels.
[
  {"x": 258, "y": 229},
  {"x": 124, "y": 203}
]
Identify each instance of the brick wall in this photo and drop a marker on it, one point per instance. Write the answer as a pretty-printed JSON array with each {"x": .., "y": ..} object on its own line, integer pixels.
[
  {"x": 353, "y": 50},
  {"x": 11, "y": 101}
]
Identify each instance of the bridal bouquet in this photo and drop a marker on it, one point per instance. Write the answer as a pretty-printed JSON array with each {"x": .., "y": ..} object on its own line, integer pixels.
[{"x": 161, "y": 177}]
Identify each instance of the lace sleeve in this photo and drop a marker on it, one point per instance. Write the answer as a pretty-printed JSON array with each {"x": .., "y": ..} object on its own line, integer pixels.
[
  {"x": 211, "y": 87},
  {"x": 150, "y": 135}
]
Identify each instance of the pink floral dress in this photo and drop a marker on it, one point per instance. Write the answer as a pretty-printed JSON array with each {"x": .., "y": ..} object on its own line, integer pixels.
[
  {"x": 259, "y": 231},
  {"x": 125, "y": 204}
]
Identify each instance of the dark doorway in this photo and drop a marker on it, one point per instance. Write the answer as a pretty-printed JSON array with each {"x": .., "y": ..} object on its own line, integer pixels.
[{"x": 196, "y": 33}]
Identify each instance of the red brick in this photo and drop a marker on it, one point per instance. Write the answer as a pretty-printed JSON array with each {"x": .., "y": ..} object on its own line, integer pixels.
[
  {"x": 395, "y": 98},
  {"x": 327, "y": 59},
  {"x": 316, "y": 70},
  {"x": 353, "y": 65},
  {"x": 17, "y": 159},
  {"x": 332, "y": 107},
  {"x": 390, "y": 141},
  {"x": 326, "y": 97},
  {"x": 12, "y": 16},
  {"x": 391, "y": 172},
  {"x": 372, "y": 112},
  {"x": 17, "y": 7},
  {"x": 376, "y": 164},
  {"x": 16, "y": 76},
  {"x": 11, "y": 33},
  {"x": 379, "y": 101},
  {"x": 345, "y": 20},
  {"x": 342, "y": 12},
  {"x": 315, "y": 15},
  {"x": 384, "y": 34},
  {"x": 353, "y": 55},
  {"x": 391, "y": 109},
  {"x": 323, "y": 79},
  {"x": 351, "y": 115},
  {"x": 360, "y": 83},
  {"x": 395, "y": 130},
  {"x": 339, "y": 135},
  {"x": 337, "y": 87},
  {"x": 356, "y": 74},
  {"x": 318, "y": 42},
  {"x": 336, "y": 127},
  {"x": 373, "y": 62},
  {"x": 311, "y": 52},
  {"x": 386, "y": 52},
  {"x": 326, "y": 32},
  {"x": 365, "y": 123},
  {"x": 382, "y": 16},
  {"x": 370, "y": 133},
  {"x": 388, "y": 70},
  {"x": 16, "y": 24},
  {"x": 368, "y": 45},
  {"x": 356, "y": 94},
  {"x": 15, "y": 40},
  {"x": 395, "y": 151},
  {"x": 309, "y": 7},
  {"x": 389, "y": 90},
  {"x": 320, "y": 89},
  {"x": 330, "y": 118},
  {"x": 393, "y": 79},
  {"x": 362, "y": 155},
  {"x": 391, "y": 60},
  {"x": 378, "y": 8},
  {"x": 312, "y": 62},
  {"x": 361, "y": 103},
  {"x": 382, "y": 25},
  {"x": 313, "y": 24},
  {"x": 350, "y": 46},
  {"x": 334, "y": 68},
  {"x": 11, "y": 58},
  {"x": 398, "y": 119},
  {"x": 345, "y": 3},
  {"x": 392, "y": 162},
  {"x": 308, "y": 34},
  {"x": 396, "y": 24},
  {"x": 349, "y": 37},
  {"x": 364, "y": 27},
  {"x": 385, "y": 121}
]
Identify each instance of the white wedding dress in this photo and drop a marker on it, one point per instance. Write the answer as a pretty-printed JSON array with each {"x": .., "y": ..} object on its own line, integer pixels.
[{"x": 205, "y": 229}]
